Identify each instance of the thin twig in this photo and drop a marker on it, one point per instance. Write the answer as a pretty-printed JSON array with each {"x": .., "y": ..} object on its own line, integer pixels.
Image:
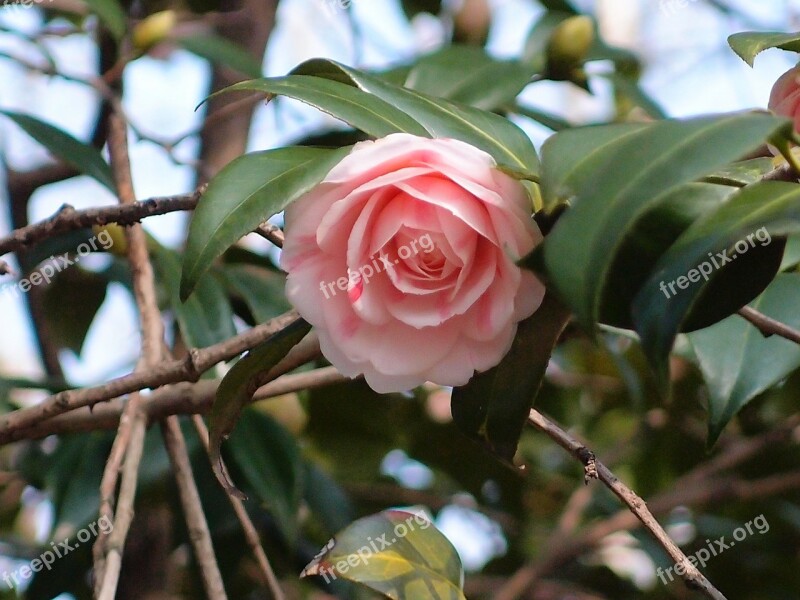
[
  {"x": 181, "y": 399},
  {"x": 769, "y": 326},
  {"x": 250, "y": 533},
  {"x": 130, "y": 435},
  {"x": 199, "y": 533},
  {"x": 271, "y": 233},
  {"x": 189, "y": 368},
  {"x": 69, "y": 219},
  {"x": 595, "y": 469}
]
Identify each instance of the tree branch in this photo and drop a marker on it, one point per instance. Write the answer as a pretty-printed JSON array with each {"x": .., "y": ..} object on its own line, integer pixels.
[
  {"x": 189, "y": 368},
  {"x": 69, "y": 219},
  {"x": 597, "y": 470},
  {"x": 769, "y": 326}
]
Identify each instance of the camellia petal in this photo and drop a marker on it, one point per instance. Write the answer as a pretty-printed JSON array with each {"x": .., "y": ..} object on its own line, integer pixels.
[{"x": 403, "y": 259}]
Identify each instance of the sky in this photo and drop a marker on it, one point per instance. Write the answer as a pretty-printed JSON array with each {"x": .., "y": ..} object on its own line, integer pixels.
[{"x": 689, "y": 71}]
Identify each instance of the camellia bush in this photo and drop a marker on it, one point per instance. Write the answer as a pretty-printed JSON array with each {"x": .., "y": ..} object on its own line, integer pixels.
[{"x": 401, "y": 319}]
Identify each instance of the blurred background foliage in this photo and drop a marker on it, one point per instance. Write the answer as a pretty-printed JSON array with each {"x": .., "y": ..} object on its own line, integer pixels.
[{"x": 313, "y": 462}]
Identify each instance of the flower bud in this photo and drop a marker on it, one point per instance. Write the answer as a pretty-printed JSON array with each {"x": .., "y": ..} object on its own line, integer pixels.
[
  {"x": 153, "y": 29},
  {"x": 568, "y": 47}
]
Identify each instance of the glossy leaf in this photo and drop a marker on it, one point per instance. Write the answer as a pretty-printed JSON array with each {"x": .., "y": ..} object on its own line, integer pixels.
[
  {"x": 572, "y": 151},
  {"x": 81, "y": 156},
  {"x": 614, "y": 187},
  {"x": 246, "y": 193},
  {"x": 221, "y": 51},
  {"x": 658, "y": 316},
  {"x": 646, "y": 241},
  {"x": 442, "y": 74},
  {"x": 743, "y": 172},
  {"x": 269, "y": 460},
  {"x": 112, "y": 15},
  {"x": 237, "y": 389},
  {"x": 738, "y": 362},
  {"x": 749, "y": 44},
  {"x": 492, "y": 133},
  {"x": 399, "y": 554},
  {"x": 493, "y": 407},
  {"x": 363, "y": 111}
]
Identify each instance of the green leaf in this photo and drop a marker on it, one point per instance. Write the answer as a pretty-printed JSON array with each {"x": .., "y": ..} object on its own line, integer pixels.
[
  {"x": 221, "y": 51},
  {"x": 111, "y": 14},
  {"x": 237, "y": 389},
  {"x": 364, "y": 111},
  {"x": 617, "y": 182},
  {"x": 749, "y": 44},
  {"x": 206, "y": 317},
  {"x": 442, "y": 74},
  {"x": 84, "y": 292},
  {"x": 247, "y": 192},
  {"x": 494, "y": 406},
  {"x": 648, "y": 239},
  {"x": 82, "y": 157},
  {"x": 738, "y": 362},
  {"x": 270, "y": 462},
  {"x": 571, "y": 151},
  {"x": 261, "y": 290},
  {"x": 492, "y": 133},
  {"x": 396, "y": 553},
  {"x": 742, "y": 173},
  {"x": 774, "y": 205}
]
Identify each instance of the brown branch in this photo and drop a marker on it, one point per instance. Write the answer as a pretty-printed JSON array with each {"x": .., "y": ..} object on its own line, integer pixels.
[
  {"x": 196, "y": 524},
  {"x": 189, "y": 368},
  {"x": 108, "y": 555},
  {"x": 271, "y": 233},
  {"x": 181, "y": 399},
  {"x": 250, "y": 533},
  {"x": 595, "y": 469},
  {"x": 769, "y": 326},
  {"x": 69, "y": 219}
]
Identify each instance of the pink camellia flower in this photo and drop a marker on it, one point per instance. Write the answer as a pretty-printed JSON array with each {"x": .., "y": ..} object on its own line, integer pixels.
[
  {"x": 784, "y": 99},
  {"x": 403, "y": 258}
]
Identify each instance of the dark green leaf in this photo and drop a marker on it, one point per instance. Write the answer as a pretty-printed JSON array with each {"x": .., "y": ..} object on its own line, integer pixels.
[
  {"x": 492, "y": 133},
  {"x": 206, "y": 317},
  {"x": 419, "y": 562},
  {"x": 738, "y": 362},
  {"x": 269, "y": 460},
  {"x": 772, "y": 204},
  {"x": 364, "y": 111},
  {"x": 84, "y": 292},
  {"x": 261, "y": 290},
  {"x": 111, "y": 14},
  {"x": 749, "y": 44},
  {"x": 75, "y": 153},
  {"x": 246, "y": 193},
  {"x": 615, "y": 187},
  {"x": 221, "y": 51},
  {"x": 239, "y": 385},
  {"x": 494, "y": 405},
  {"x": 442, "y": 74}
]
